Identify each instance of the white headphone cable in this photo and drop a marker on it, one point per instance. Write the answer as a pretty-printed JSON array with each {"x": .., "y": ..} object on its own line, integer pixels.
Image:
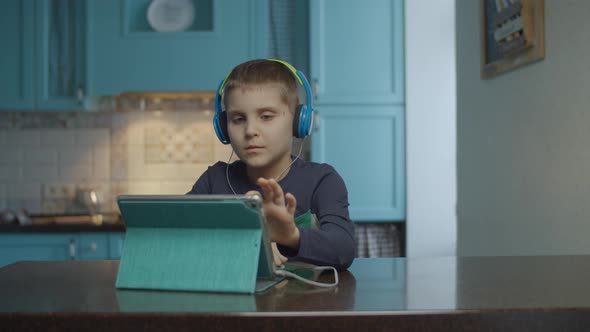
[
  {"x": 294, "y": 159},
  {"x": 227, "y": 172},
  {"x": 284, "y": 273}
]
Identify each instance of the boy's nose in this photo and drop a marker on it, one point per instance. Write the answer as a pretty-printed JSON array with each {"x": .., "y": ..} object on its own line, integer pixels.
[{"x": 251, "y": 128}]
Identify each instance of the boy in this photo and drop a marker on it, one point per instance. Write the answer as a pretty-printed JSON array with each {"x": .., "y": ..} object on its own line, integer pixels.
[{"x": 260, "y": 116}]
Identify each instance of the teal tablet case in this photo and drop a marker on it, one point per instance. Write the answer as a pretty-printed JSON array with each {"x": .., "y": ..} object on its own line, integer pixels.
[{"x": 194, "y": 243}]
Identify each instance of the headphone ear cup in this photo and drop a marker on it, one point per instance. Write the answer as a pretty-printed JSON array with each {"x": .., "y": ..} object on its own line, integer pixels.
[
  {"x": 220, "y": 126},
  {"x": 223, "y": 125},
  {"x": 296, "y": 118},
  {"x": 220, "y": 117},
  {"x": 304, "y": 122}
]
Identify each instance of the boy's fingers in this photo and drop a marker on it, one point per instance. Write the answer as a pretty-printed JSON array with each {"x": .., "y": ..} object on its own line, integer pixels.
[
  {"x": 263, "y": 183},
  {"x": 291, "y": 203},
  {"x": 277, "y": 192},
  {"x": 278, "y": 258},
  {"x": 272, "y": 191},
  {"x": 252, "y": 193}
]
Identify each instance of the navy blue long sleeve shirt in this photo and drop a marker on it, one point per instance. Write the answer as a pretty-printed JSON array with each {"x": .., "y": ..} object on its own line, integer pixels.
[{"x": 318, "y": 188}]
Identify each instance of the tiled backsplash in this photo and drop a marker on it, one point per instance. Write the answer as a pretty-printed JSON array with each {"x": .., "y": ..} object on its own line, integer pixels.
[{"x": 46, "y": 156}]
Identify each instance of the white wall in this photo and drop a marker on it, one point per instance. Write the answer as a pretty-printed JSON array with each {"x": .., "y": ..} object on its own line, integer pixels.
[
  {"x": 431, "y": 127},
  {"x": 523, "y": 155}
]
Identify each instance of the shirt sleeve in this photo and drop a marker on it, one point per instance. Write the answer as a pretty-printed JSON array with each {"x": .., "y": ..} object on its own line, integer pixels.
[
  {"x": 202, "y": 186},
  {"x": 332, "y": 243}
]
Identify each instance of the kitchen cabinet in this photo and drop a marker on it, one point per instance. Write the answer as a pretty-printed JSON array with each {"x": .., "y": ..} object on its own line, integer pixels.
[
  {"x": 60, "y": 246},
  {"x": 127, "y": 54},
  {"x": 17, "y": 33},
  {"x": 357, "y": 69},
  {"x": 58, "y": 52},
  {"x": 100, "y": 245},
  {"x": 43, "y": 58}
]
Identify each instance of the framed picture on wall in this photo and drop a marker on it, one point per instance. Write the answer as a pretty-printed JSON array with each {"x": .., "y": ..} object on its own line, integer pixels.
[{"x": 512, "y": 35}]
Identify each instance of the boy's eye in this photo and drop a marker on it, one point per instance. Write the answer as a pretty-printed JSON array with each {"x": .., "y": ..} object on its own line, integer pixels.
[
  {"x": 267, "y": 117},
  {"x": 237, "y": 119}
]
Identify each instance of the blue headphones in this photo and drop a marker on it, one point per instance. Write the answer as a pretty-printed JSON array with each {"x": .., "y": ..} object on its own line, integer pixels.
[{"x": 302, "y": 121}]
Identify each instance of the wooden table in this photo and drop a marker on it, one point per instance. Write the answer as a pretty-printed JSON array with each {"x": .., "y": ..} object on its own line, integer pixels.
[{"x": 550, "y": 293}]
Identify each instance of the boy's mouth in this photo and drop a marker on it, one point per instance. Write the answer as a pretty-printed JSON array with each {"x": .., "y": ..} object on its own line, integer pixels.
[{"x": 253, "y": 147}]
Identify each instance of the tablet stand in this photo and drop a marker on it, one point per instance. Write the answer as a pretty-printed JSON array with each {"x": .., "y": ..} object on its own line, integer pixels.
[{"x": 192, "y": 246}]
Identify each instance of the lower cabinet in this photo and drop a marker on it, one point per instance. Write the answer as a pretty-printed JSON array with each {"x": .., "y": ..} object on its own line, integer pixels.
[{"x": 16, "y": 247}]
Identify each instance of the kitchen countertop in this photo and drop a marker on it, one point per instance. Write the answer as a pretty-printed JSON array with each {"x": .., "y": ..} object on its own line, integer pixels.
[
  {"x": 14, "y": 228},
  {"x": 536, "y": 293},
  {"x": 108, "y": 222}
]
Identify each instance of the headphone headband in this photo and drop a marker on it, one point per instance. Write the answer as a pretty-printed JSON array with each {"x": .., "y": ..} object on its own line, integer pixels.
[{"x": 291, "y": 68}]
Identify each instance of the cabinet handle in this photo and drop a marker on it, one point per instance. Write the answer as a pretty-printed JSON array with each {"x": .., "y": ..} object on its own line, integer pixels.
[
  {"x": 316, "y": 120},
  {"x": 316, "y": 88},
  {"x": 72, "y": 249},
  {"x": 80, "y": 94}
]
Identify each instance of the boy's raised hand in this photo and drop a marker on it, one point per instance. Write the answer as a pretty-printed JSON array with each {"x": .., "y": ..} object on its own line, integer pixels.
[{"x": 279, "y": 211}]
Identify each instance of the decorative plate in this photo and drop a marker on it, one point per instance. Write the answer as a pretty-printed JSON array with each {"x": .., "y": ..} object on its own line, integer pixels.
[{"x": 171, "y": 15}]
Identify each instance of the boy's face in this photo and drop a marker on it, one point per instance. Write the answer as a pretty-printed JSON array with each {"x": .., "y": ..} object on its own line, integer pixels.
[{"x": 260, "y": 128}]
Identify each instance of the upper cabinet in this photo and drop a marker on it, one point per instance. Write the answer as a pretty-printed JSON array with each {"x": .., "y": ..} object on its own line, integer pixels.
[
  {"x": 58, "y": 52},
  {"x": 17, "y": 33},
  {"x": 42, "y": 63},
  {"x": 178, "y": 45},
  {"x": 357, "y": 51},
  {"x": 61, "y": 66}
]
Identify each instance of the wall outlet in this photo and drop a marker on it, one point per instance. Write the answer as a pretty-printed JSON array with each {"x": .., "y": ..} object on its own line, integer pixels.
[
  {"x": 58, "y": 190},
  {"x": 54, "y": 206}
]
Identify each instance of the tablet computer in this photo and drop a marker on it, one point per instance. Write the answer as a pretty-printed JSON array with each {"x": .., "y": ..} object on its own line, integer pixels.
[{"x": 212, "y": 243}]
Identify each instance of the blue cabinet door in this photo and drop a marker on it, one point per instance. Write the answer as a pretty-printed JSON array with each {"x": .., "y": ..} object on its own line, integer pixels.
[
  {"x": 366, "y": 146},
  {"x": 60, "y": 59},
  {"x": 93, "y": 246},
  {"x": 100, "y": 245},
  {"x": 43, "y": 56},
  {"x": 16, "y": 58},
  {"x": 357, "y": 67},
  {"x": 16, "y": 247},
  {"x": 127, "y": 54}
]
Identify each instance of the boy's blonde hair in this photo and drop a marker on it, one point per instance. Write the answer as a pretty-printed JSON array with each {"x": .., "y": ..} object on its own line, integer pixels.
[{"x": 262, "y": 71}]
